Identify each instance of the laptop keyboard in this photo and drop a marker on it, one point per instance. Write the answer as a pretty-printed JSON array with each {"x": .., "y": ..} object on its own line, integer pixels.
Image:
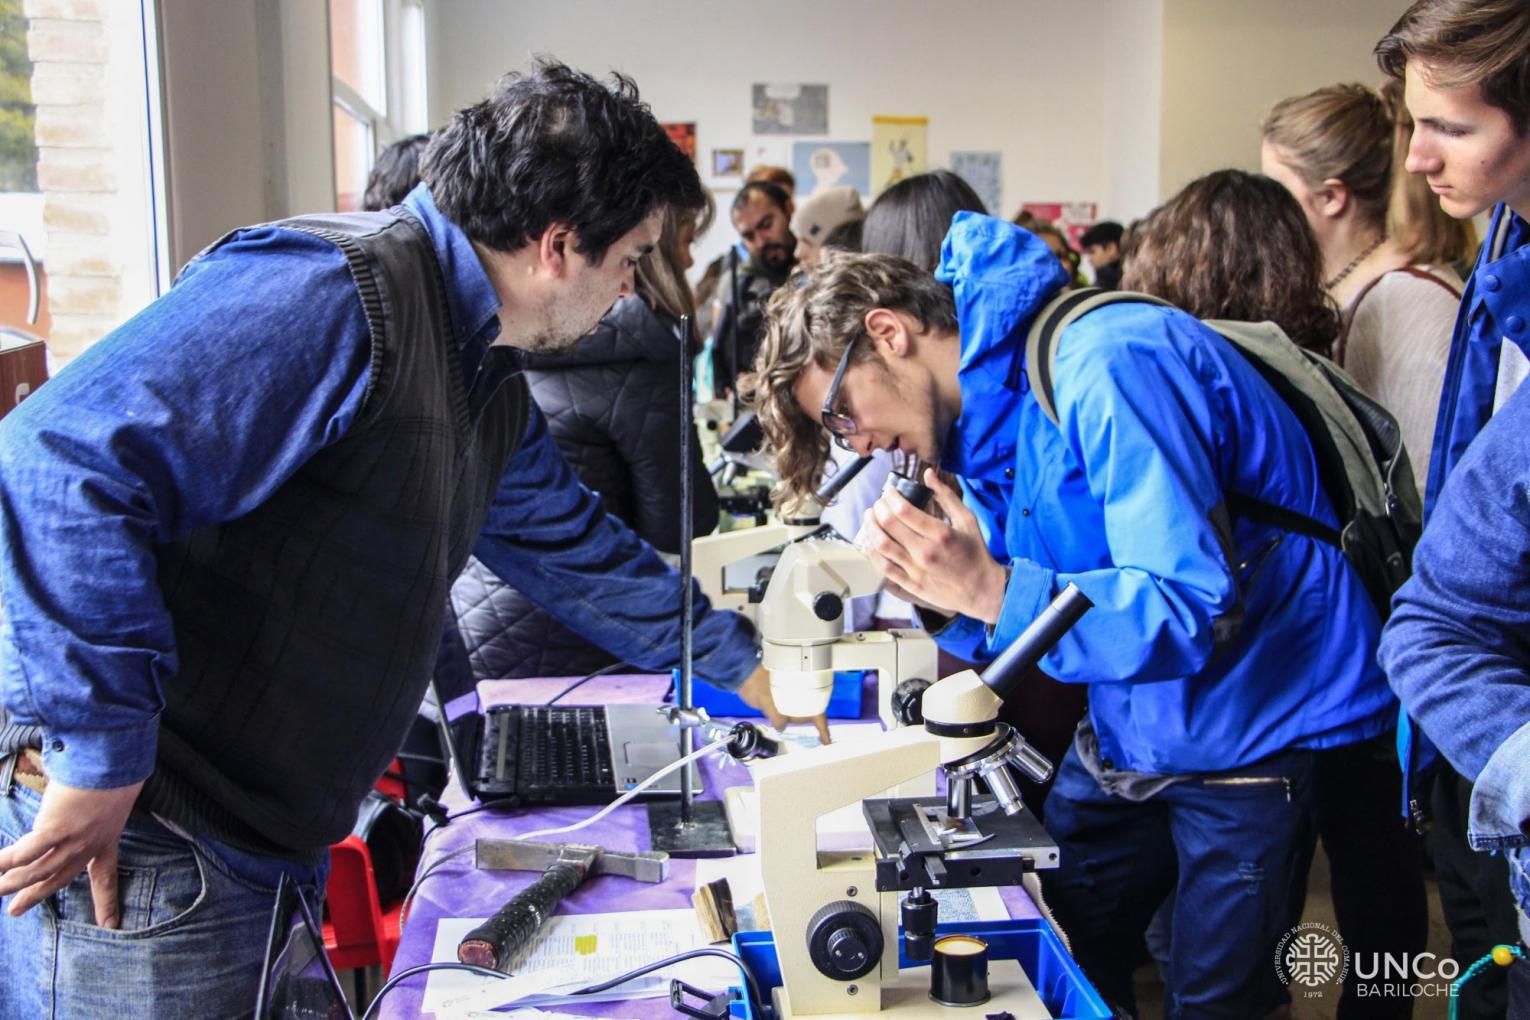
[{"x": 547, "y": 755}]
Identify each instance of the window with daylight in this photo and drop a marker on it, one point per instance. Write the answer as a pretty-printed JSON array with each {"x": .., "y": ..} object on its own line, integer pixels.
[{"x": 377, "y": 59}]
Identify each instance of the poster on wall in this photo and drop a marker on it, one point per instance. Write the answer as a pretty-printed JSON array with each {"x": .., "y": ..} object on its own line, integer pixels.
[
  {"x": 789, "y": 109},
  {"x": 1072, "y": 218},
  {"x": 684, "y": 136},
  {"x": 897, "y": 150},
  {"x": 728, "y": 163},
  {"x": 982, "y": 171},
  {"x": 819, "y": 166}
]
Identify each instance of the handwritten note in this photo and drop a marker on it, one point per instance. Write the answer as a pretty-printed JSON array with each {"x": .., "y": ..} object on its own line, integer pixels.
[{"x": 572, "y": 952}]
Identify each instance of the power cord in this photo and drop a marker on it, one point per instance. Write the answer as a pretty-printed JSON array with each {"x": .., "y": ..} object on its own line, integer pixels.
[
  {"x": 751, "y": 989},
  {"x": 591, "y": 820},
  {"x": 421, "y": 969},
  {"x": 615, "y": 667},
  {"x": 403, "y": 912},
  {"x": 624, "y": 798}
]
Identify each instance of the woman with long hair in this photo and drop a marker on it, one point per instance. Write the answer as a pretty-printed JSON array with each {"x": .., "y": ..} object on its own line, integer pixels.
[
  {"x": 910, "y": 218},
  {"x": 1388, "y": 250},
  {"x": 1234, "y": 245}
]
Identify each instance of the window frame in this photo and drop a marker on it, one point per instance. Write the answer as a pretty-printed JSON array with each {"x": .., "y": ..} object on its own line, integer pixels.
[{"x": 405, "y": 85}]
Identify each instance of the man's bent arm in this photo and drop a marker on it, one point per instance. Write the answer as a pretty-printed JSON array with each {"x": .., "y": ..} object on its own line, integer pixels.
[
  {"x": 552, "y": 540},
  {"x": 191, "y": 413},
  {"x": 1457, "y": 646}
]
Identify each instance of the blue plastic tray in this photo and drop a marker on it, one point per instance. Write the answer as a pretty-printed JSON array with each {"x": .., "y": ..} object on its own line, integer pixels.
[
  {"x": 844, "y": 701},
  {"x": 1064, "y": 990}
]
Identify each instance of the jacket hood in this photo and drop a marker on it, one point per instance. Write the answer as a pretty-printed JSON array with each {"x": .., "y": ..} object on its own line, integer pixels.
[
  {"x": 630, "y": 331},
  {"x": 1000, "y": 276}
]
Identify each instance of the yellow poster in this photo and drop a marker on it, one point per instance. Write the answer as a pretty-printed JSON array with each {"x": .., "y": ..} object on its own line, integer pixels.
[{"x": 897, "y": 150}]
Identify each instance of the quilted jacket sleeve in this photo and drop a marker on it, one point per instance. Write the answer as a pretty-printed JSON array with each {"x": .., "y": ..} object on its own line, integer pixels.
[{"x": 647, "y": 437}]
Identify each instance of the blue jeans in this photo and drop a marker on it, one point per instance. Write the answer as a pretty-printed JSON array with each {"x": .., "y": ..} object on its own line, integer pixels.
[
  {"x": 1232, "y": 854},
  {"x": 194, "y": 921}
]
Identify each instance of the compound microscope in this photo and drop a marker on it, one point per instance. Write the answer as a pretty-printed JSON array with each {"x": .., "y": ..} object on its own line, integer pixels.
[{"x": 835, "y": 915}]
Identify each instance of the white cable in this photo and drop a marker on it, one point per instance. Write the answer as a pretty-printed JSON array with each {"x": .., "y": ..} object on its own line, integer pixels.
[
  {"x": 1031, "y": 883},
  {"x": 624, "y": 798}
]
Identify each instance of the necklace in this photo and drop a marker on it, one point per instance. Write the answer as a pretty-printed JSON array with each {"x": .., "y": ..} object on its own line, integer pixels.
[{"x": 1331, "y": 284}]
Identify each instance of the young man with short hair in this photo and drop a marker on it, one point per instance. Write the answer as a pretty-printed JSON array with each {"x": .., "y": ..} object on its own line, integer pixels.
[
  {"x": 1220, "y": 652},
  {"x": 1102, "y": 247},
  {"x": 230, "y": 526},
  {"x": 1455, "y": 647}
]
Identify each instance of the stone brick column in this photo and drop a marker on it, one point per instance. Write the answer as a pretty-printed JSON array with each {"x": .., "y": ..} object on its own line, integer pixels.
[{"x": 70, "y": 50}]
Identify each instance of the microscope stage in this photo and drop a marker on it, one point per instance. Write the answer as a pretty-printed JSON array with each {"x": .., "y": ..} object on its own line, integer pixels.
[{"x": 918, "y": 846}]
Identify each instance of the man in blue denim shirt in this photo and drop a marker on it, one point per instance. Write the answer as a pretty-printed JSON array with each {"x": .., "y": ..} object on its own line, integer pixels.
[
  {"x": 230, "y": 525},
  {"x": 1455, "y": 648}
]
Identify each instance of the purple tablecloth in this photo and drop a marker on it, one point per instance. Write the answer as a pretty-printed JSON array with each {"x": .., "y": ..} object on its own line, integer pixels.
[{"x": 457, "y": 889}]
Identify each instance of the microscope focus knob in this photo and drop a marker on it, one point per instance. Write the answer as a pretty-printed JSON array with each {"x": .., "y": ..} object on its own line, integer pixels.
[
  {"x": 828, "y": 606},
  {"x": 908, "y": 701},
  {"x": 844, "y": 940}
]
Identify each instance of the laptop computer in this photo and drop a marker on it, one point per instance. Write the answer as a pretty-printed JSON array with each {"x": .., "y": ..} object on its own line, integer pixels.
[
  {"x": 552, "y": 755},
  {"x": 297, "y": 980}
]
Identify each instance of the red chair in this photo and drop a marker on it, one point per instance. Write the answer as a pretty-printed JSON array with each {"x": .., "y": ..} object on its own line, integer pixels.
[{"x": 358, "y": 931}]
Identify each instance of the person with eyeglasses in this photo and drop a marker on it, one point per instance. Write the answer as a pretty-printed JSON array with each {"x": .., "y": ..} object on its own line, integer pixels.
[{"x": 1221, "y": 653}]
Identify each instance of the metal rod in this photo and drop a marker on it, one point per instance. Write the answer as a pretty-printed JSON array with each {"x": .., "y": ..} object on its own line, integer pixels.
[
  {"x": 733, "y": 330},
  {"x": 687, "y": 596}
]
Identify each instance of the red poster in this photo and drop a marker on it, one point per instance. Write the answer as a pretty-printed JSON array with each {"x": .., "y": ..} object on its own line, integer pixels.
[
  {"x": 1072, "y": 218},
  {"x": 683, "y": 135}
]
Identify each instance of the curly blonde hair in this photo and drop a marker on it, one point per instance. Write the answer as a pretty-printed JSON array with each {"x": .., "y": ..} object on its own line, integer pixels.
[{"x": 810, "y": 321}]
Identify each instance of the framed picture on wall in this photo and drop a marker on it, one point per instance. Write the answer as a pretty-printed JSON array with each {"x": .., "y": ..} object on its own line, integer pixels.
[
  {"x": 897, "y": 150},
  {"x": 982, "y": 171},
  {"x": 790, "y": 109},
  {"x": 727, "y": 162},
  {"x": 819, "y": 166}
]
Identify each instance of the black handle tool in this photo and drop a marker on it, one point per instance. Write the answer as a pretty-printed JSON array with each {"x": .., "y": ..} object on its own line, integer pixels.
[{"x": 564, "y": 866}]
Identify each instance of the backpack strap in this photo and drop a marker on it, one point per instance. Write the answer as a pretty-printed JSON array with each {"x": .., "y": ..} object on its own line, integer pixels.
[
  {"x": 1041, "y": 359},
  {"x": 1261, "y": 512},
  {"x": 1047, "y": 327}
]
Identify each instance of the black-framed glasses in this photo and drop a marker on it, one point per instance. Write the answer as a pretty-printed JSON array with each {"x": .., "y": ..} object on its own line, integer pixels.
[{"x": 840, "y": 426}]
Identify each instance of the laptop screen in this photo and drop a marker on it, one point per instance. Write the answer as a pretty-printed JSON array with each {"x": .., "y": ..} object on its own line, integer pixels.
[{"x": 298, "y": 982}]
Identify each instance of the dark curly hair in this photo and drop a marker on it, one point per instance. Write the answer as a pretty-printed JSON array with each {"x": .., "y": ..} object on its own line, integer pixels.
[
  {"x": 810, "y": 321},
  {"x": 1234, "y": 245},
  {"x": 556, "y": 146},
  {"x": 395, "y": 173}
]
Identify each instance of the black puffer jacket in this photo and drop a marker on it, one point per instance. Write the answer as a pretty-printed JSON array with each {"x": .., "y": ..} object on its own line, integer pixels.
[{"x": 613, "y": 406}]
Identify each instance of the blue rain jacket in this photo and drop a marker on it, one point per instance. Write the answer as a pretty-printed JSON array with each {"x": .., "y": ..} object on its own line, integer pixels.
[
  {"x": 1213, "y": 642},
  {"x": 1493, "y": 312}
]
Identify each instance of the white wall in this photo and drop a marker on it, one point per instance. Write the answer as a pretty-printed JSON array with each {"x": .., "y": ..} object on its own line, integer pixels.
[
  {"x": 1226, "y": 62},
  {"x": 1025, "y": 77},
  {"x": 1116, "y": 101}
]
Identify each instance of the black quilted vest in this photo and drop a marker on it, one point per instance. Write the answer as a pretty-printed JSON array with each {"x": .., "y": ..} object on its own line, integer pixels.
[{"x": 306, "y": 630}]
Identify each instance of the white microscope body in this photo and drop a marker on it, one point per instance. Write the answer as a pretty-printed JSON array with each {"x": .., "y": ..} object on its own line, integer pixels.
[
  {"x": 801, "y": 610},
  {"x": 802, "y": 629},
  {"x": 835, "y": 914}
]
